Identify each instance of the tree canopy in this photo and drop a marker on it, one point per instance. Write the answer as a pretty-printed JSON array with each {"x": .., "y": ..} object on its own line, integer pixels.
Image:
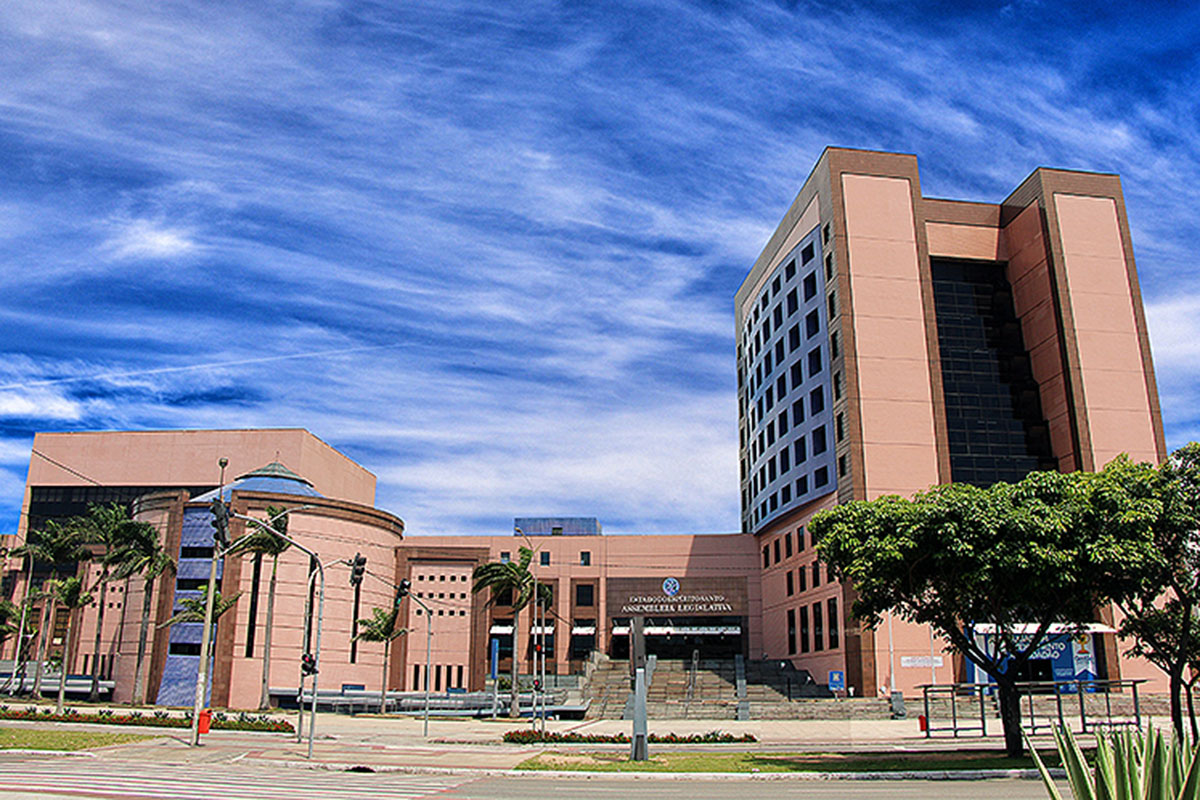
[{"x": 1048, "y": 549}]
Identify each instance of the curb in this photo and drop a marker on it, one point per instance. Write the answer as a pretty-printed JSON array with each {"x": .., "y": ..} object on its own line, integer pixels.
[
  {"x": 897, "y": 775},
  {"x": 76, "y": 753}
]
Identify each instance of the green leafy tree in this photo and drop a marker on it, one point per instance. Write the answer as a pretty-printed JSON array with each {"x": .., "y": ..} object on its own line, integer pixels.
[
  {"x": 381, "y": 627},
  {"x": 264, "y": 539},
  {"x": 112, "y": 532},
  {"x": 62, "y": 548},
  {"x": 1041, "y": 551},
  {"x": 515, "y": 577},
  {"x": 71, "y": 594},
  {"x": 1163, "y": 614},
  {"x": 139, "y": 552},
  {"x": 10, "y": 614}
]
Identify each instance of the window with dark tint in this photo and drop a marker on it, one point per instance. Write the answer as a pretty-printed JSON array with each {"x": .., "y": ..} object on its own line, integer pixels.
[
  {"x": 775, "y": 285},
  {"x": 806, "y": 255},
  {"x": 818, "y": 628},
  {"x": 798, "y": 449},
  {"x": 812, "y": 323},
  {"x": 804, "y": 629},
  {"x": 833, "y": 345},
  {"x": 816, "y": 400},
  {"x": 797, "y": 374},
  {"x": 810, "y": 286},
  {"x": 833, "y": 305},
  {"x": 585, "y": 594},
  {"x": 829, "y": 267},
  {"x": 793, "y": 303},
  {"x": 798, "y": 414},
  {"x": 814, "y": 362},
  {"x": 791, "y": 623},
  {"x": 785, "y": 494},
  {"x": 820, "y": 477},
  {"x": 794, "y": 337},
  {"x": 789, "y": 271},
  {"x": 801, "y": 485},
  {"x": 785, "y": 461},
  {"x": 505, "y": 556},
  {"x": 777, "y": 316},
  {"x": 779, "y": 351},
  {"x": 545, "y": 558},
  {"x": 994, "y": 421},
  {"x": 840, "y": 424},
  {"x": 585, "y": 558},
  {"x": 831, "y": 605},
  {"x": 802, "y": 577},
  {"x": 783, "y": 422},
  {"x": 816, "y": 574},
  {"x": 787, "y": 545},
  {"x": 819, "y": 442},
  {"x": 766, "y": 556},
  {"x": 800, "y": 539},
  {"x": 781, "y": 385}
]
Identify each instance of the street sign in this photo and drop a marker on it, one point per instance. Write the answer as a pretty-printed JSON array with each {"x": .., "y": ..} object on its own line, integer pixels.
[
  {"x": 495, "y": 657},
  {"x": 837, "y": 680}
]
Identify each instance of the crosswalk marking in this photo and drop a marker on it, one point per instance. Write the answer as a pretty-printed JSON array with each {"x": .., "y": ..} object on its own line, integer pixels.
[{"x": 207, "y": 781}]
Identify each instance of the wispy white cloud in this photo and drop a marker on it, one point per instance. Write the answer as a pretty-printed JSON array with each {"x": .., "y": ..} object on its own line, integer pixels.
[{"x": 144, "y": 239}]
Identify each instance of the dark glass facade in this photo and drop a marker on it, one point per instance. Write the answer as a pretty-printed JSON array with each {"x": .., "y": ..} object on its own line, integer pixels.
[{"x": 994, "y": 418}]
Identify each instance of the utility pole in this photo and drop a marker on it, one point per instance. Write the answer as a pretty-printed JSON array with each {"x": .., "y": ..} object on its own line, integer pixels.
[{"x": 220, "y": 523}]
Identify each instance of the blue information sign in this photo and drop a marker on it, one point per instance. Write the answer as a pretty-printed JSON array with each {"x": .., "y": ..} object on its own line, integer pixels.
[
  {"x": 495, "y": 657},
  {"x": 837, "y": 680}
]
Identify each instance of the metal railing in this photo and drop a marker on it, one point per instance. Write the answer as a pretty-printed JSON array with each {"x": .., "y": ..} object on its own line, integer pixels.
[{"x": 985, "y": 695}]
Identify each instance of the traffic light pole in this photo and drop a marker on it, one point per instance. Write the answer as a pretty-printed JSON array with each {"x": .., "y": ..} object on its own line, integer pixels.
[
  {"x": 312, "y": 717},
  {"x": 428, "y": 651},
  {"x": 220, "y": 523}
]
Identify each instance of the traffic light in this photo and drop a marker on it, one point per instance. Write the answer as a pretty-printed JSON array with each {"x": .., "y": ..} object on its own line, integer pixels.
[
  {"x": 537, "y": 685},
  {"x": 220, "y": 521},
  {"x": 308, "y": 664},
  {"x": 402, "y": 590},
  {"x": 358, "y": 568}
]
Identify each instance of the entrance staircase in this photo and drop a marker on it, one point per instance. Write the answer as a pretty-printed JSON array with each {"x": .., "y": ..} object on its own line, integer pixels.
[{"x": 709, "y": 689}]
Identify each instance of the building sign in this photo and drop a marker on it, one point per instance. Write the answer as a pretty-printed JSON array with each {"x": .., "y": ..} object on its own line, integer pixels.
[
  {"x": 685, "y": 597},
  {"x": 921, "y": 661}
]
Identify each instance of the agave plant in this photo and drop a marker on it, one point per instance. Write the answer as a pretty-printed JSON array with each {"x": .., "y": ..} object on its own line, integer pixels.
[{"x": 1129, "y": 765}]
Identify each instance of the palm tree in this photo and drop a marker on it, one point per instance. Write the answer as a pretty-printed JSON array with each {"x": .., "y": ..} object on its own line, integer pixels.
[
  {"x": 503, "y": 577},
  {"x": 139, "y": 552},
  {"x": 57, "y": 545},
  {"x": 264, "y": 540},
  {"x": 70, "y": 593},
  {"x": 381, "y": 628},
  {"x": 110, "y": 528},
  {"x": 9, "y": 614},
  {"x": 193, "y": 608}
]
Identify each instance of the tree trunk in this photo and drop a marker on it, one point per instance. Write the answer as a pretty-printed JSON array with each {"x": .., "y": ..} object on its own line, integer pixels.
[
  {"x": 383, "y": 685},
  {"x": 62, "y": 674},
  {"x": 264, "y": 700},
  {"x": 44, "y": 636},
  {"x": 139, "y": 676},
  {"x": 94, "y": 694},
  {"x": 1192, "y": 712},
  {"x": 1176, "y": 683},
  {"x": 515, "y": 709},
  {"x": 1010, "y": 717}
]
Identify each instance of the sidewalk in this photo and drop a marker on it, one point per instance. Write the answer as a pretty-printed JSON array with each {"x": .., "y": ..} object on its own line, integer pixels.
[{"x": 392, "y": 743}]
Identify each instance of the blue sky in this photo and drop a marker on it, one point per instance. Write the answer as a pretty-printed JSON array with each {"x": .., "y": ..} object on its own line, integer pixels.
[{"x": 489, "y": 250}]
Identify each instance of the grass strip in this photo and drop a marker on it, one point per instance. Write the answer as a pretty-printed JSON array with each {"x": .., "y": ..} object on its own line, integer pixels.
[
  {"x": 39, "y": 739},
  {"x": 779, "y": 762}
]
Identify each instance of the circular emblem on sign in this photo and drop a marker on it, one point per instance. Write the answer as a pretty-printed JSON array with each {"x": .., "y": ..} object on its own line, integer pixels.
[{"x": 670, "y": 587}]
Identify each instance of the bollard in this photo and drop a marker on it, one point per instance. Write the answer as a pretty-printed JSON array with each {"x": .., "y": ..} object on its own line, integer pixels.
[
  {"x": 922, "y": 723},
  {"x": 205, "y": 720}
]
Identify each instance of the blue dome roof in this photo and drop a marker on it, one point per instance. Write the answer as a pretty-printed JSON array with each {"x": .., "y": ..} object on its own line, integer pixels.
[{"x": 274, "y": 478}]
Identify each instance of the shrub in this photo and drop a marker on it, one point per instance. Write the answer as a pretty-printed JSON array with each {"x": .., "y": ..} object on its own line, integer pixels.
[
  {"x": 161, "y": 719},
  {"x": 1141, "y": 765}
]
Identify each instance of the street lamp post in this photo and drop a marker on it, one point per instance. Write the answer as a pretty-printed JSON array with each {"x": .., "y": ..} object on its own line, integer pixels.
[
  {"x": 404, "y": 590},
  {"x": 220, "y": 524}
]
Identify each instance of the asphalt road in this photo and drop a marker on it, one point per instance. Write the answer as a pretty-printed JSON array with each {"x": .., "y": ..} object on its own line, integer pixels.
[{"x": 49, "y": 778}]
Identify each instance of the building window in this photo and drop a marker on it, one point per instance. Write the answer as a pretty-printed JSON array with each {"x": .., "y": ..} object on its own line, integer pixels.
[
  {"x": 789, "y": 271},
  {"x": 791, "y": 584},
  {"x": 797, "y": 374},
  {"x": 819, "y": 441},
  {"x": 779, "y": 352},
  {"x": 825, "y": 233},
  {"x": 545, "y": 558},
  {"x": 798, "y": 449},
  {"x": 781, "y": 385},
  {"x": 775, "y": 286},
  {"x": 802, "y": 579},
  {"x": 416, "y": 677},
  {"x": 770, "y": 469},
  {"x": 837, "y": 386},
  {"x": 783, "y": 422},
  {"x": 800, "y": 539},
  {"x": 793, "y": 302},
  {"x": 785, "y": 494},
  {"x": 766, "y": 364},
  {"x": 816, "y": 400},
  {"x": 814, "y": 362},
  {"x": 831, "y": 604},
  {"x": 803, "y": 629},
  {"x": 820, "y": 476},
  {"x": 459, "y": 671},
  {"x": 794, "y": 337},
  {"x": 798, "y": 412},
  {"x": 818, "y": 628},
  {"x": 801, "y": 485},
  {"x": 585, "y": 594},
  {"x": 766, "y": 556},
  {"x": 585, "y": 556},
  {"x": 791, "y": 629},
  {"x": 810, "y": 286},
  {"x": 829, "y": 267},
  {"x": 843, "y": 466},
  {"x": 812, "y": 323},
  {"x": 770, "y": 433},
  {"x": 787, "y": 544},
  {"x": 784, "y": 462},
  {"x": 834, "y": 346},
  {"x": 505, "y": 557},
  {"x": 776, "y": 551},
  {"x": 832, "y": 305},
  {"x": 840, "y": 425},
  {"x": 806, "y": 255},
  {"x": 816, "y": 574}
]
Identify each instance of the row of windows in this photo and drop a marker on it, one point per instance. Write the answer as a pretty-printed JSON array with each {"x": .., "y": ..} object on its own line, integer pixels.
[
  {"x": 442, "y": 595},
  {"x": 455, "y": 682},
  {"x": 813, "y": 638},
  {"x": 820, "y": 479},
  {"x": 441, "y": 612},
  {"x": 585, "y": 595},
  {"x": 785, "y": 552},
  {"x": 799, "y": 449},
  {"x": 585, "y": 557},
  {"x": 798, "y": 581},
  {"x": 442, "y": 578}
]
